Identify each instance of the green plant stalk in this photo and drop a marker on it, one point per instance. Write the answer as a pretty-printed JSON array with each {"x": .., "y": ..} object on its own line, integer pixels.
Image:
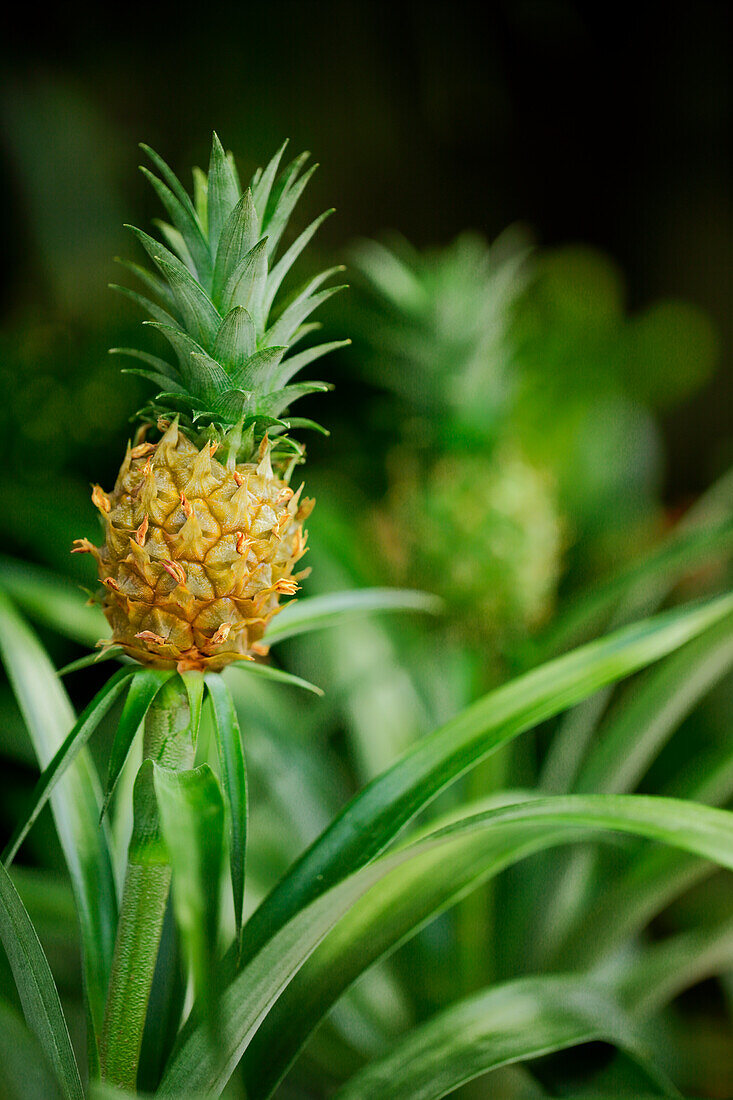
[{"x": 169, "y": 740}]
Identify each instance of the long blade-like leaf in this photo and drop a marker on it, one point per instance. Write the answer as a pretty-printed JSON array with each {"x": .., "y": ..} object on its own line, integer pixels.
[
  {"x": 378, "y": 813},
  {"x": 52, "y": 601},
  {"x": 278, "y": 675},
  {"x": 234, "y": 782},
  {"x": 36, "y": 988},
  {"x": 75, "y": 803},
  {"x": 75, "y": 740},
  {"x": 24, "y": 1070},
  {"x": 303, "y": 969},
  {"x": 335, "y": 608},
  {"x": 145, "y": 685},
  {"x": 509, "y": 1023},
  {"x": 191, "y": 811},
  {"x": 625, "y": 747}
]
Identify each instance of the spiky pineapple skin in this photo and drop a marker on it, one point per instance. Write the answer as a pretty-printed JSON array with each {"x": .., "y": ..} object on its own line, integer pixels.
[
  {"x": 196, "y": 554},
  {"x": 483, "y": 532}
]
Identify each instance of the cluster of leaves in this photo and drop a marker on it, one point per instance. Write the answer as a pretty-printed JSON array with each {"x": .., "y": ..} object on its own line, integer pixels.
[
  {"x": 213, "y": 294},
  {"x": 359, "y": 890}
]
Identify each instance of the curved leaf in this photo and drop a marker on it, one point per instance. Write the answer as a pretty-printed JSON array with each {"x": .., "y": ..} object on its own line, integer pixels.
[
  {"x": 75, "y": 804},
  {"x": 335, "y": 608},
  {"x": 512, "y": 1022},
  {"x": 74, "y": 741},
  {"x": 378, "y": 813},
  {"x": 305, "y": 967},
  {"x": 625, "y": 747},
  {"x": 36, "y": 988},
  {"x": 267, "y": 672},
  {"x": 52, "y": 601}
]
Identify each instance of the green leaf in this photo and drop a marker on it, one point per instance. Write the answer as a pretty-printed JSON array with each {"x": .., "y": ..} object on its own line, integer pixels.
[
  {"x": 144, "y": 686},
  {"x": 262, "y": 184},
  {"x": 186, "y": 222},
  {"x": 246, "y": 285},
  {"x": 294, "y": 363},
  {"x": 236, "y": 340},
  {"x": 650, "y": 980},
  {"x": 378, "y": 813},
  {"x": 512, "y": 1022},
  {"x": 161, "y": 383},
  {"x": 160, "y": 315},
  {"x": 624, "y": 748},
  {"x": 234, "y": 782},
  {"x": 176, "y": 244},
  {"x": 171, "y": 179},
  {"x": 284, "y": 182},
  {"x": 74, "y": 741},
  {"x": 275, "y": 225},
  {"x": 195, "y": 686},
  {"x": 111, "y": 653},
  {"x": 36, "y": 988},
  {"x": 256, "y": 373},
  {"x": 201, "y": 197},
  {"x": 150, "y": 280},
  {"x": 305, "y": 966},
  {"x": 267, "y": 672},
  {"x": 223, "y": 192},
  {"x": 286, "y": 261},
  {"x": 621, "y": 752},
  {"x": 198, "y": 312},
  {"x": 275, "y": 404},
  {"x": 24, "y": 1070},
  {"x": 160, "y": 366},
  {"x": 53, "y": 601},
  {"x": 75, "y": 803},
  {"x": 192, "y": 823},
  {"x": 210, "y": 377},
  {"x": 335, "y": 608},
  {"x": 284, "y": 328},
  {"x": 238, "y": 237},
  {"x": 685, "y": 550},
  {"x": 230, "y": 406}
]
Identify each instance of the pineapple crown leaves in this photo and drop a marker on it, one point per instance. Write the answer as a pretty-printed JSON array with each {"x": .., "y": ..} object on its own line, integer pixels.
[
  {"x": 440, "y": 323},
  {"x": 212, "y": 295}
]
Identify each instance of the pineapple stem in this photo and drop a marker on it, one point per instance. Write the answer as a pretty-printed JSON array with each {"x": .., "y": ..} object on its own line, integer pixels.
[{"x": 168, "y": 740}]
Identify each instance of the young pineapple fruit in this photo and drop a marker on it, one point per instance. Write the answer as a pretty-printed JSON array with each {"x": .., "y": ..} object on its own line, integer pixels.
[
  {"x": 467, "y": 514},
  {"x": 203, "y": 533}
]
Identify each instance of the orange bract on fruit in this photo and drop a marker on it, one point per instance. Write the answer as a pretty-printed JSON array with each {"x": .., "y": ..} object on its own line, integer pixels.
[{"x": 196, "y": 553}]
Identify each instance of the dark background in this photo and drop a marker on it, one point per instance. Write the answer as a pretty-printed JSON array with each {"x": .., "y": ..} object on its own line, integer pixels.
[{"x": 600, "y": 123}]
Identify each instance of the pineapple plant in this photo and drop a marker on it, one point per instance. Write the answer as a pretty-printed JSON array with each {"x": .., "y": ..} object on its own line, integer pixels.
[
  {"x": 203, "y": 532},
  {"x": 467, "y": 513}
]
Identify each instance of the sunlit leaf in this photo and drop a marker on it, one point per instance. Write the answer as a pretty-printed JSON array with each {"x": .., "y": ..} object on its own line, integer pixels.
[
  {"x": 378, "y": 813},
  {"x": 304, "y": 967}
]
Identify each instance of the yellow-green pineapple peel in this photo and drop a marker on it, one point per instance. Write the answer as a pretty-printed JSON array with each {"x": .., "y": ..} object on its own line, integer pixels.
[{"x": 202, "y": 531}]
